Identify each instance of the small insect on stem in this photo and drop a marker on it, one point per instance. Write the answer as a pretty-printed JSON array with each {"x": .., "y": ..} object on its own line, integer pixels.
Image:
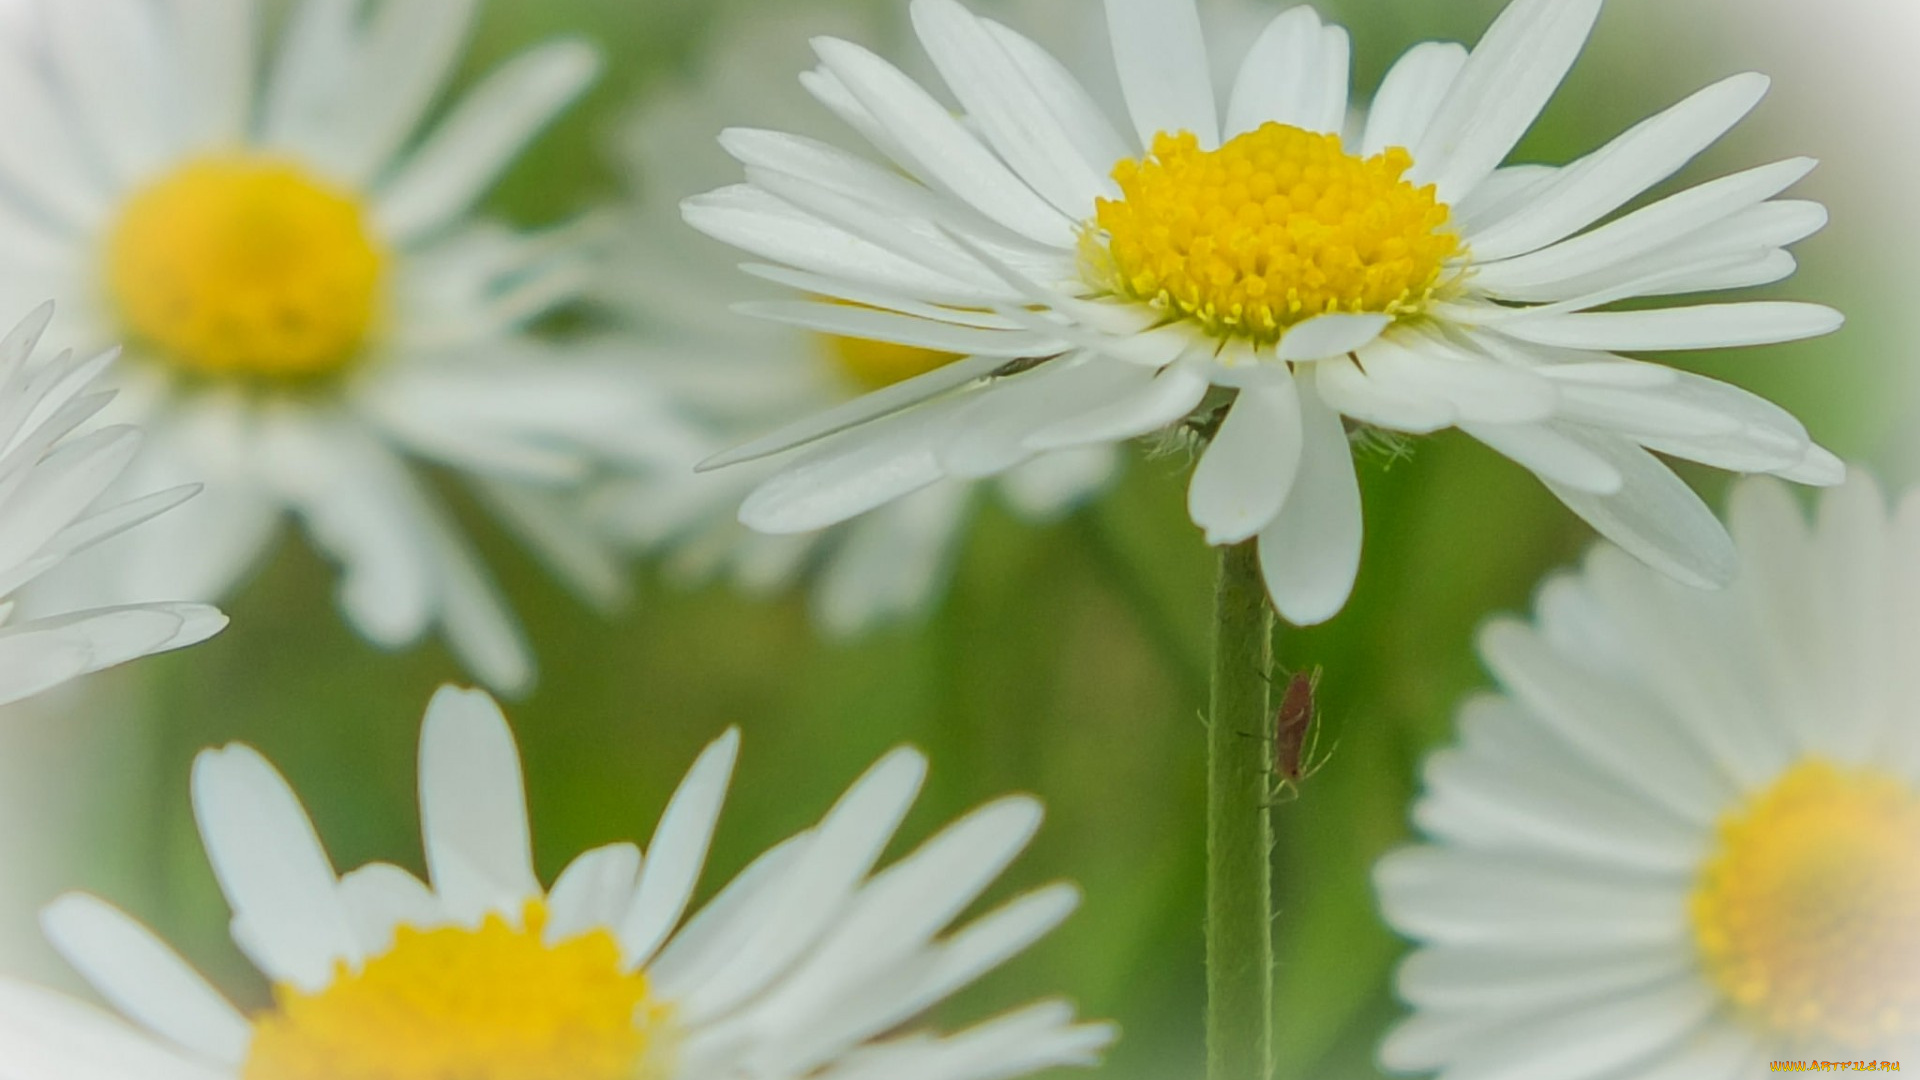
[{"x": 1294, "y": 724}]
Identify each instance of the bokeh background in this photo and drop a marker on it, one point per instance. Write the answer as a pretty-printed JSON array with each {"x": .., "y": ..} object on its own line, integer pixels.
[{"x": 1067, "y": 660}]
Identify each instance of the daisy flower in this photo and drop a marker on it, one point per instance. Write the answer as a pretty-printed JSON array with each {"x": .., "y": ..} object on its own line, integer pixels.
[
  {"x": 315, "y": 318},
  {"x": 53, "y": 503},
  {"x": 806, "y": 966},
  {"x": 737, "y": 378},
  {"x": 1684, "y": 841},
  {"x": 1268, "y": 278}
]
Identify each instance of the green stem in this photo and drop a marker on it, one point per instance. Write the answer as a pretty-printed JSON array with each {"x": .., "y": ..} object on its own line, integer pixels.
[{"x": 1239, "y": 829}]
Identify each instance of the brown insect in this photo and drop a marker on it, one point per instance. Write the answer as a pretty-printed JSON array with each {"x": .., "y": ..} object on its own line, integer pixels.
[{"x": 1296, "y": 731}]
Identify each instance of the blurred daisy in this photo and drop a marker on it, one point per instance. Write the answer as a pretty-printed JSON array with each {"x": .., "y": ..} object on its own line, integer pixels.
[
  {"x": 738, "y": 378},
  {"x": 311, "y": 311},
  {"x": 1685, "y": 841},
  {"x": 53, "y": 503},
  {"x": 1101, "y": 280},
  {"x": 807, "y": 965}
]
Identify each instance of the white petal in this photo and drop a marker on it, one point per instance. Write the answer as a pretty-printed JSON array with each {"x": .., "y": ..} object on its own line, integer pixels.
[
  {"x": 1162, "y": 58},
  {"x": 1295, "y": 74},
  {"x": 1410, "y": 96},
  {"x": 215, "y": 43},
  {"x": 270, "y": 864},
  {"x": 1503, "y": 87},
  {"x": 851, "y": 474},
  {"x": 1545, "y": 452},
  {"x": 1245, "y": 473},
  {"x": 593, "y": 893},
  {"x": 862, "y": 410},
  {"x": 144, "y": 978},
  {"x": 1479, "y": 898},
  {"x": 473, "y": 145},
  {"x": 1609, "y": 721},
  {"x": 941, "y": 150},
  {"x": 381, "y": 898},
  {"x": 1326, "y": 336},
  {"x": 1310, "y": 554},
  {"x": 1171, "y": 395},
  {"x": 473, "y": 808},
  {"x": 1079, "y": 116},
  {"x": 1351, "y": 391},
  {"x": 50, "y": 1036},
  {"x": 1648, "y": 229},
  {"x": 1010, "y": 112},
  {"x": 1704, "y": 326},
  {"x": 1597, "y": 185},
  {"x": 406, "y": 56},
  {"x": 845, "y": 321},
  {"x": 891, "y": 562},
  {"x": 991, "y": 435},
  {"x": 679, "y": 850}
]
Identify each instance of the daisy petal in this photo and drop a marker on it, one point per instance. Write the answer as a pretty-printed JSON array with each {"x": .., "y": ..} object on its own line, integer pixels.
[
  {"x": 1410, "y": 96},
  {"x": 1016, "y": 121},
  {"x": 144, "y": 978},
  {"x": 1310, "y": 553},
  {"x": 1656, "y": 518},
  {"x": 1651, "y": 151},
  {"x": 49, "y": 1036},
  {"x": 1245, "y": 473},
  {"x": 1500, "y": 91},
  {"x": 1162, "y": 58},
  {"x": 473, "y": 808},
  {"x": 1704, "y": 326},
  {"x": 938, "y": 148},
  {"x": 861, "y": 410},
  {"x": 1295, "y": 74},
  {"x": 679, "y": 850},
  {"x": 271, "y": 867},
  {"x": 443, "y": 178}
]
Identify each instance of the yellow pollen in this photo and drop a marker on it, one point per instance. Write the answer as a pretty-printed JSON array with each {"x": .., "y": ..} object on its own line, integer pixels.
[
  {"x": 246, "y": 266},
  {"x": 1275, "y": 227},
  {"x": 875, "y": 365},
  {"x": 493, "y": 1003},
  {"x": 1808, "y": 914}
]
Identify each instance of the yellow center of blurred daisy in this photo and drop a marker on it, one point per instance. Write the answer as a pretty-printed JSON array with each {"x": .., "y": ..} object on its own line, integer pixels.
[
  {"x": 875, "y": 365},
  {"x": 493, "y": 1003},
  {"x": 1275, "y": 227},
  {"x": 244, "y": 265},
  {"x": 1808, "y": 914}
]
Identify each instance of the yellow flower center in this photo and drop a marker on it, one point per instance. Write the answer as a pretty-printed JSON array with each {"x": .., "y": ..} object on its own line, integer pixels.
[
  {"x": 1808, "y": 915},
  {"x": 493, "y": 1003},
  {"x": 1275, "y": 227},
  {"x": 875, "y": 365},
  {"x": 245, "y": 265}
]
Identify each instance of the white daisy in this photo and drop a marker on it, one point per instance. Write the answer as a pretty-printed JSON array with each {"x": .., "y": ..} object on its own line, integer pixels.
[
  {"x": 53, "y": 503},
  {"x": 1102, "y": 278},
  {"x": 738, "y": 378},
  {"x": 1685, "y": 841},
  {"x": 313, "y": 314},
  {"x": 807, "y": 965}
]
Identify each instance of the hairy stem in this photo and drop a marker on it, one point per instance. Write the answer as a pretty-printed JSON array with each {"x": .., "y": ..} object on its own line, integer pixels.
[{"x": 1239, "y": 829}]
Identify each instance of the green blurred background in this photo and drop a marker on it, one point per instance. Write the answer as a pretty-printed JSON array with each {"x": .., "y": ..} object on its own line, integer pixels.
[{"x": 1065, "y": 662}]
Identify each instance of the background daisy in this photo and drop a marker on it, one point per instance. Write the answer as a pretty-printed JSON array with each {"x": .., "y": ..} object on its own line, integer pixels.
[
  {"x": 316, "y": 320},
  {"x": 53, "y": 503},
  {"x": 804, "y": 966},
  {"x": 738, "y": 377},
  {"x": 1685, "y": 840},
  {"x": 1102, "y": 284}
]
